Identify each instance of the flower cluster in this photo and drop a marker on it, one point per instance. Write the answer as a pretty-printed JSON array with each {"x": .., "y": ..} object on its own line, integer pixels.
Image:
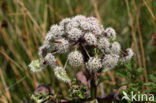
[
  {"x": 75, "y": 59},
  {"x": 68, "y": 35}
]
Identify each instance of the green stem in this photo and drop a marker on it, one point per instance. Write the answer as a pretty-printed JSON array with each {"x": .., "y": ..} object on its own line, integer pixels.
[{"x": 93, "y": 88}]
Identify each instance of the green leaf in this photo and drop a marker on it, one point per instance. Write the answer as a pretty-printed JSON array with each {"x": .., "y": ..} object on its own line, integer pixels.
[
  {"x": 129, "y": 75},
  {"x": 129, "y": 65},
  {"x": 81, "y": 96},
  {"x": 120, "y": 74},
  {"x": 148, "y": 83},
  {"x": 139, "y": 71},
  {"x": 152, "y": 77},
  {"x": 102, "y": 79}
]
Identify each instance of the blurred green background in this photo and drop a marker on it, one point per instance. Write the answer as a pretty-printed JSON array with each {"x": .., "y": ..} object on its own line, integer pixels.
[{"x": 24, "y": 24}]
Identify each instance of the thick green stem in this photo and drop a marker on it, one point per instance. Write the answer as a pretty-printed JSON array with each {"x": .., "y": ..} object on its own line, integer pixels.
[{"x": 93, "y": 88}]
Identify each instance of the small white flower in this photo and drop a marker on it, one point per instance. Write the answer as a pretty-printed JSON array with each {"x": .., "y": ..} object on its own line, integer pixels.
[
  {"x": 56, "y": 31},
  {"x": 115, "y": 48},
  {"x": 94, "y": 64},
  {"x": 103, "y": 44},
  {"x": 79, "y": 18},
  {"x": 37, "y": 65},
  {"x": 61, "y": 45},
  {"x": 93, "y": 20},
  {"x": 49, "y": 38},
  {"x": 74, "y": 34},
  {"x": 97, "y": 30},
  {"x": 129, "y": 55},
  {"x": 50, "y": 60},
  {"x": 72, "y": 24},
  {"x": 75, "y": 59},
  {"x": 110, "y": 61},
  {"x": 110, "y": 33},
  {"x": 90, "y": 38},
  {"x": 65, "y": 21},
  {"x": 85, "y": 25},
  {"x": 61, "y": 74}
]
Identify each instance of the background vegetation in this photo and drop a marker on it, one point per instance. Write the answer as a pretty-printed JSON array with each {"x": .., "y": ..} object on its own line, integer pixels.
[{"x": 24, "y": 24}]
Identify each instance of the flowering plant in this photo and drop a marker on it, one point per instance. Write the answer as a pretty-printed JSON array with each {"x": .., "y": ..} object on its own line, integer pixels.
[{"x": 90, "y": 49}]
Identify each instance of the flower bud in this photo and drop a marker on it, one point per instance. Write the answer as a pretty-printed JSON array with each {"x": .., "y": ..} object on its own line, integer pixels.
[
  {"x": 115, "y": 48},
  {"x": 56, "y": 31},
  {"x": 110, "y": 61},
  {"x": 103, "y": 44},
  {"x": 61, "y": 45},
  {"x": 110, "y": 33},
  {"x": 90, "y": 38},
  {"x": 129, "y": 54},
  {"x": 50, "y": 59},
  {"x": 94, "y": 64},
  {"x": 75, "y": 59},
  {"x": 74, "y": 34}
]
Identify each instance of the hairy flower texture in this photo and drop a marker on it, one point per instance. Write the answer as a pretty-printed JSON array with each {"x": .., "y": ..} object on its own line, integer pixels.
[
  {"x": 79, "y": 18},
  {"x": 37, "y": 65},
  {"x": 115, "y": 48},
  {"x": 74, "y": 34},
  {"x": 128, "y": 56},
  {"x": 50, "y": 59},
  {"x": 93, "y": 20},
  {"x": 90, "y": 38},
  {"x": 110, "y": 61},
  {"x": 75, "y": 59},
  {"x": 110, "y": 33},
  {"x": 61, "y": 74},
  {"x": 85, "y": 25},
  {"x": 61, "y": 45},
  {"x": 65, "y": 21},
  {"x": 95, "y": 26},
  {"x": 56, "y": 31},
  {"x": 49, "y": 38},
  {"x": 94, "y": 64},
  {"x": 103, "y": 44},
  {"x": 72, "y": 24},
  {"x": 68, "y": 35},
  {"x": 43, "y": 50},
  {"x": 97, "y": 30}
]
